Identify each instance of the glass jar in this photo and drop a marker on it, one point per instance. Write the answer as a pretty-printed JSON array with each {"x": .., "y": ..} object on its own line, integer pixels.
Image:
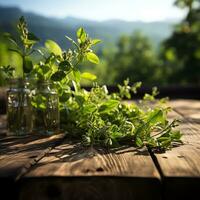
[
  {"x": 45, "y": 103},
  {"x": 19, "y": 114}
]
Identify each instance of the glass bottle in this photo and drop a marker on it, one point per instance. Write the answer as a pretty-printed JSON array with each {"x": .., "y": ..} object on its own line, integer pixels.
[
  {"x": 19, "y": 115},
  {"x": 45, "y": 103}
]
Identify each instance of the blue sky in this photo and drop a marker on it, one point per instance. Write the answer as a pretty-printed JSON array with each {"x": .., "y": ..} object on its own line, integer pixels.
[{"x": 130, "y": 10}]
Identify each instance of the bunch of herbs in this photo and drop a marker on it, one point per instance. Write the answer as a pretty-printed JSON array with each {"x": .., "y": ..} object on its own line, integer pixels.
[{"x": 95, "y": 117}]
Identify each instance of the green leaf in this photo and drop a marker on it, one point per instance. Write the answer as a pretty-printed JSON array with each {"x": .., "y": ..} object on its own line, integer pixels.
[
  {"x": 138, "y": 142},
  {"x": 53, "y": 47},
  {"x": 81, "y": 34},
  {"x": 73, "y": 42},
  {"x": 29, "y": 42},
  {"x": 11, "y": 39},
  {"x": 156, "y": 116},
  {"x": 50, "y": 59},
  {"x": 95, "y": 41},
  {"x": 176, "y": 135},
  {"x": 108, "y": 106},
  {"x": 151, "y": 143},
  {"x": 33, "y": 38},
  {"x": 15, "y": 50},
  {"x": 45, "y": 69},
  {"x": 65, "y": 65},
  {"x": 162, "y": 139},
  {"x": 8, "y": 70},
  {"x": 28, "y": 65},
  {"x": 58, "y": 76},
  {"x": 75, "y": 85},
  {"x": 88, "y": 76},
  {"x": 42, "y": 106},
  {"x": 79, "y": 99},
  {"x": 166, "y": 143},
  {"x": 77, "y": 75},
  {"x": 135, "y": 87},
  {"x": 141, "y": 129},
  {"x": 92, "y": 57},
  {"x": 65, "y": 96},
  {"x": 89, "y": 108}
]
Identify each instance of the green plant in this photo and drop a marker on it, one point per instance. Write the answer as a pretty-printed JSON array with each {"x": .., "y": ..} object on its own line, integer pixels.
[
  {"x": 100, "y": 118},
  {"x": 96, "y": 117},
  {"x": 23, "y": 45}
]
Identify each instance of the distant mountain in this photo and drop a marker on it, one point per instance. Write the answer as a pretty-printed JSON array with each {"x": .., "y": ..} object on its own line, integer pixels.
[{"x": 108, "y": 31}]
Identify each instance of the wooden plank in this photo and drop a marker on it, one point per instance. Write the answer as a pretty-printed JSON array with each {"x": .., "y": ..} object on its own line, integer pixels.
[
  {"x": 180, "y": 167},
  {"x": 18, "y": 154},
  {"x": 190, "y": 109},
  {"x": 118, "y": 174},
  {"x": 90, "y": 187},
  {"x": 71, "y": 171}
]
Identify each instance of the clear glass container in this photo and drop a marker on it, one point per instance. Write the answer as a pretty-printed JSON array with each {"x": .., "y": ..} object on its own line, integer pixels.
[
  {"x": 45, "y": 103},
  {"x": 19, "y": 114}
]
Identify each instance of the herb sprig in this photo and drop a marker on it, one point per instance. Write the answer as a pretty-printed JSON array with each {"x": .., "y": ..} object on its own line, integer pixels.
[{"x": 104, "y": 119}]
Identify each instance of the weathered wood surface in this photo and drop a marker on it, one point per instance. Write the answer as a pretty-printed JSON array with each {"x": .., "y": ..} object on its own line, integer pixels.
[
  {"x": 190, "y": 109},
  {"x": 122, "y": 173},
  {"x": 70, "y": 171},
  {"x": 18, "y": 154},
  {"x": 180, "y": 167}
]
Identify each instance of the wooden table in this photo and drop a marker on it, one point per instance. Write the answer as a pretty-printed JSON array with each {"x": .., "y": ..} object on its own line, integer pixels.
[{"x": 37, "y": 167}]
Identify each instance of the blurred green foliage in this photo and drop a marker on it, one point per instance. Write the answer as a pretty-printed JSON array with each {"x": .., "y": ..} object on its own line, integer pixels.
[
  {"x": 176, "y": 61},
  {"x": 135, "y": 59},
  {"x": 9, "y": 58},
  {"x": 181, "y": 52}
]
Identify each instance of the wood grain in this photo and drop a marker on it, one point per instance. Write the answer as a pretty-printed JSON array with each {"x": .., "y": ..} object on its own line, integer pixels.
[
  {"x": 18, "y": 154},
  {"x": 122, "y": 173},
  {"x": 48, "y": 170},
  {"x": 190, "y": 109},
  {"x": 75, "y": 160},
  {"x": 180, "y": 166}
]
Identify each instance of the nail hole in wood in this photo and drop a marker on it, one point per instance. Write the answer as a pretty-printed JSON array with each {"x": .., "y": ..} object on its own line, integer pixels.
[{"x": 99, "y": 169}]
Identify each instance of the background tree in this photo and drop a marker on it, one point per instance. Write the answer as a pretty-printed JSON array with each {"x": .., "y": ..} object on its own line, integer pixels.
[
  {"x": 181, "y": 52},
  {"x": 135, "y": 59},
  {"x": 176, "y": 61}
]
